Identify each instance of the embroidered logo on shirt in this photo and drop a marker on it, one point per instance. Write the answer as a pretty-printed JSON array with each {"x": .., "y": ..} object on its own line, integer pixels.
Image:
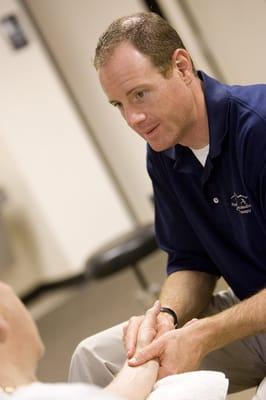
[{"x": 241, "y": 203}]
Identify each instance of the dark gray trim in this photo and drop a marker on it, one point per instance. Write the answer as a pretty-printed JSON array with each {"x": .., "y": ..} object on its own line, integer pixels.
[
  {"x": 34, "y": 294},
  {"x": 153, "y": 6}
]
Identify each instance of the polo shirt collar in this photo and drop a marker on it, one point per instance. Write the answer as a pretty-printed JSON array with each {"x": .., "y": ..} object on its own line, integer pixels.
[{"x": 216, "y": 97}]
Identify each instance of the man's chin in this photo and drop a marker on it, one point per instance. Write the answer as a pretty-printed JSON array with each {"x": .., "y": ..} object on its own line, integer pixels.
[{"x": 158, "y": 147}]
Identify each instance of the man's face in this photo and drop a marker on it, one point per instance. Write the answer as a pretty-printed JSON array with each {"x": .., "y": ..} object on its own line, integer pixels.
[{"x": 161, "y": 110}]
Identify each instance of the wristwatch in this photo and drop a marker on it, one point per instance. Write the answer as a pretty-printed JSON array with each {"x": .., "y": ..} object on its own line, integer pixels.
[{"x": 170, "y": 312}]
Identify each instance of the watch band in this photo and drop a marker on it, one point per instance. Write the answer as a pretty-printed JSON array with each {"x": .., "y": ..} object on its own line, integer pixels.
[{"x": 172, "y": 313}]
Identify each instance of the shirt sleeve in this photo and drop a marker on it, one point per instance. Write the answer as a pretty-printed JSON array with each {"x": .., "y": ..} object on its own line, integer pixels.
[{"x": 174, "y": 234}]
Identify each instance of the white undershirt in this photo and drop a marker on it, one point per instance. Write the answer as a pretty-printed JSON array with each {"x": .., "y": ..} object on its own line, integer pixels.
[{"x": 201, "y": 154}]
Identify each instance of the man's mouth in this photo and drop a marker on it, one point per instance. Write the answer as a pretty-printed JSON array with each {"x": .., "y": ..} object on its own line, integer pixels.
[{"x": 151, "y": 131}]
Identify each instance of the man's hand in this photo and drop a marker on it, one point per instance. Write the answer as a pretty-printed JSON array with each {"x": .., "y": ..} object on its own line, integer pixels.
[
  {"x": 177, "y": 350},
  {"x": 164, "y": 324}
]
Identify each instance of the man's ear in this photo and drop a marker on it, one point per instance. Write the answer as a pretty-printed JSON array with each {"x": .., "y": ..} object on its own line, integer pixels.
[
  {"x": 3, "y": 329},
  {"x": 182, "y": 62}
]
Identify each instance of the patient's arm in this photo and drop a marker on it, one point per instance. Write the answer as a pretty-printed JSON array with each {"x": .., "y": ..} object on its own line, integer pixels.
[{"x": 135, "y": 383}]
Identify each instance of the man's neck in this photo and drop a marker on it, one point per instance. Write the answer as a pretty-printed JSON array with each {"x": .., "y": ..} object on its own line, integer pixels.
[{"x": 199, "y": 132}]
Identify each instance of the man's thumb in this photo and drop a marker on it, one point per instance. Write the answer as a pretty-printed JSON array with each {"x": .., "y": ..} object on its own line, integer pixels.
[{"x": 144, "y": 355}]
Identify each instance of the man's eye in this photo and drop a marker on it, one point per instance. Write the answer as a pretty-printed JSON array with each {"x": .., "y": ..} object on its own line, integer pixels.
[
  {"x": 118, "y": 105},
  {"x": 140, "y": 94}
]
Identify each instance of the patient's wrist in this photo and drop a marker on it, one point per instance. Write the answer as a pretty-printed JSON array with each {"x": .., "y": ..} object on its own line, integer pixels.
[{"x": 134, "y": 383}]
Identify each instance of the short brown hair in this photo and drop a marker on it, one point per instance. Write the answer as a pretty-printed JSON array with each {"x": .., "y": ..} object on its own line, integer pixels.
[{"x": 147, "y": 32}]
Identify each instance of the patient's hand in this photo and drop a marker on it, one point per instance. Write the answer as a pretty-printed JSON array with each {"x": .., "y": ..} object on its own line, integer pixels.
[
  {"x": 179, "y": 350},
  {"x": 148, "y": 328},
  {"x": 162, "y": 324},
  {"x": 136, "y": 383}
]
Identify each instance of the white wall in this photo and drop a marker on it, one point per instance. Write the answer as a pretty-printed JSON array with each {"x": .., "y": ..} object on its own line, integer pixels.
[
  {"x": 63, "y": 198},
  {"x": 177, "y": 18},
  {"x": 234, "y": 32},
  {"x": 22, "y": 272},
  {"x": 71, "y": 30}
]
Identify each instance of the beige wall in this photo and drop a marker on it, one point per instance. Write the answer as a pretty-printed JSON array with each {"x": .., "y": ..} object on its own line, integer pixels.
[
  {"x": 71, "y": 29},
  {"x": 62, "y": 202},
  {"x": 233, "y": 32}
]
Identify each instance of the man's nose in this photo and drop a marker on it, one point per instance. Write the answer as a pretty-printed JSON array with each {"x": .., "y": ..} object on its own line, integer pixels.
[{"x": 134, "y": 118}]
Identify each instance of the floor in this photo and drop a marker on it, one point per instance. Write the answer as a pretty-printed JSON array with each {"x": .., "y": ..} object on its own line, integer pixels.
[{"x": 77, "y": 313}]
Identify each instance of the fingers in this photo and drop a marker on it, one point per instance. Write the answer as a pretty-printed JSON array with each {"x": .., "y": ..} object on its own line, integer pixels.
[
  {"x": 164, "y": 324},
  {"x": 131, "y": 334},
  {"x": 141, "y": 330},
  {"x": 150, "y": 319},
  {"x": 148, "y": 328},
  {"x": 146, "y": 354}
]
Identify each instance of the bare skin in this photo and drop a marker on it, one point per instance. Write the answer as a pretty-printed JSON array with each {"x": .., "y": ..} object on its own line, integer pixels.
[
  {"x": 163, "y": 111},
  {"x": 186, "y": 306},
  {"x": 183, "y": 349},
  {"x": 20, "y": 344},
  {"x": 136, "y": 383}
]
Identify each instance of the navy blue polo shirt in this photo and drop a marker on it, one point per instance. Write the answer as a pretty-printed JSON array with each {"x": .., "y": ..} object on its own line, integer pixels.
[{"x": 213, "y": 218}]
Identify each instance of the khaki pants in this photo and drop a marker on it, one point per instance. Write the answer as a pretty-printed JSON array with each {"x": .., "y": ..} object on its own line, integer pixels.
[{"x": 99, "y": 358}]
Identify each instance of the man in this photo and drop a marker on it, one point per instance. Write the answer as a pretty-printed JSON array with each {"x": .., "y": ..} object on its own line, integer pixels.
[{"x": 207, "y": 161}]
